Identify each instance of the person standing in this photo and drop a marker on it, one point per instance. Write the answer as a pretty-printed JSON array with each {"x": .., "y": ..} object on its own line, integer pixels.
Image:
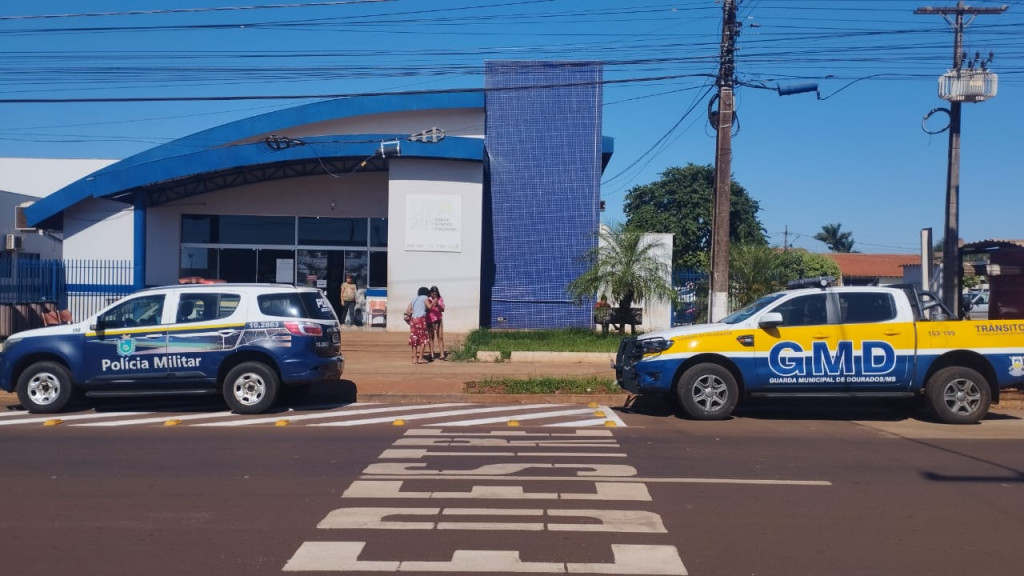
[
  {"x": 416, "y": 315},
  {"x": 435, "y": 324},
  {"x": 348, "y": 300}
]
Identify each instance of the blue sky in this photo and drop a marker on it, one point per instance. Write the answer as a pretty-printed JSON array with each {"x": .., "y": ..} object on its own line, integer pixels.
[{"x": 854, "y": 154}]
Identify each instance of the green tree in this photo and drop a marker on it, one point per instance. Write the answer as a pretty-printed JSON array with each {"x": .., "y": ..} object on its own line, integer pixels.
[
  {"x": 680, "y": 203},
  {"x": 624, "y": 266},
  {"x": 834, "y": 238},
  {"x": 756, "y": 270},
  {"x": 800, "y": 263}
]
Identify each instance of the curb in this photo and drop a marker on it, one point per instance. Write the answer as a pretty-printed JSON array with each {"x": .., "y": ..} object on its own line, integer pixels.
[{"x": 604, "y": 399}]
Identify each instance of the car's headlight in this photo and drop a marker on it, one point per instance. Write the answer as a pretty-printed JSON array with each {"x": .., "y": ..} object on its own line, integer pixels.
[{"x": 655, "y": 345}]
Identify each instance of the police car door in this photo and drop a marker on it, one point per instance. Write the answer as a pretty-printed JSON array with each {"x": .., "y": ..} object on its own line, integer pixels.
[
  {"x": 883, "y": 341},
  {"x": 128, "y": 344},
  {"x": 207, "y": 328},
  {"x": 804, "y": 353}
]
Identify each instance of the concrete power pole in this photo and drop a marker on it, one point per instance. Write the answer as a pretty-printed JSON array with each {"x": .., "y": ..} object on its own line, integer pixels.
[
  {"x": 719, "y": 293},
  {"x": 951, "y": 241}
]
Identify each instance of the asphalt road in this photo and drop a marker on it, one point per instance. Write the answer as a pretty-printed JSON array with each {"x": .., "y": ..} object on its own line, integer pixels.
[{"x": 779, "y": 490}]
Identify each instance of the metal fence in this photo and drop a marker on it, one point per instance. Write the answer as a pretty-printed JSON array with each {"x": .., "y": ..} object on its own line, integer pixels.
[
  {"x": 30, "y": 287},
  {"x": 691, "y": 289}
]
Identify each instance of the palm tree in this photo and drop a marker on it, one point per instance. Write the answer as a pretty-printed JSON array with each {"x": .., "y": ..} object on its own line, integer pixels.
[
  {"x": 755, "y": 270},
  {"x": 835, "y": 240},
  {"x": 625, "y": 267}
]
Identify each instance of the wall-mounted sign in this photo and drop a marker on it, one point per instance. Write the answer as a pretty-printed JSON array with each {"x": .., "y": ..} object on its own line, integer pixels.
[{"x": 433, "y": 223}]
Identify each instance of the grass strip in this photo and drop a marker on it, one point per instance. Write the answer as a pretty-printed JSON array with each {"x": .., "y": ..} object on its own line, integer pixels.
[{"x": 508, "y": 341}]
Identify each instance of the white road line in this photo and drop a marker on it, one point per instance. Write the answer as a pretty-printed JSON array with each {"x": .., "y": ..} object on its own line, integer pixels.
[
  {"x": 71, "y": 417},
  {"x": 163, "y": 418},
  {"x": 578, "y": 423},
  {"x": 435, "y": 475},
  {"x": 386, "y": 489},
  {"x": 517, "y": 434},
  {"x": 433, "y": 415},
  {"x": 502, "y": 419},
  {"x": 383, "y": 518},
  {"x": 416, "y": 453},
  {"x": 655, "y": 560},
  {"x": 343, "y": 412},
  {"x": 418, "y": 469},
  {"x": 452, "y": 442}
]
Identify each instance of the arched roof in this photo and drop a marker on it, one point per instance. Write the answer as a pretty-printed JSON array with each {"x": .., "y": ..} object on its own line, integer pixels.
[{"x": 212, "y": 160}]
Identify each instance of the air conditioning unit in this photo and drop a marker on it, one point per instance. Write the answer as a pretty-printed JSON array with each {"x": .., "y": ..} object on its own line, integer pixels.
[{"x": 12, "y": 242}]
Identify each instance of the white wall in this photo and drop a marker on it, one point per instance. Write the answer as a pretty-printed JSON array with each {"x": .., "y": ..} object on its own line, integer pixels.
[
  {"x": 658, "y": 313},
  {"x": 456, "y": 274},
  {"x": 41, "y": 177},
  {"x": 97, "y": 229},
  {"x": 467, "y": 122}
]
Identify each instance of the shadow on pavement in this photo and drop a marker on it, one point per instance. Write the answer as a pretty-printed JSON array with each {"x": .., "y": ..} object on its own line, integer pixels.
[
  {"x": 314, "y": 397},
  {"x": 838, "y": 409}
]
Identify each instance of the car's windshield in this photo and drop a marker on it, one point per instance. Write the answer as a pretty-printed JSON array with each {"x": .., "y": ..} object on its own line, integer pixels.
[{"x": 751, "y": 309}]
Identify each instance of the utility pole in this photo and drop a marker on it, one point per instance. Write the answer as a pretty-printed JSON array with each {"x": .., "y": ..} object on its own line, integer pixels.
[
  {"x": 956, "y": 95},
  {"x": 719, "y": 294}
]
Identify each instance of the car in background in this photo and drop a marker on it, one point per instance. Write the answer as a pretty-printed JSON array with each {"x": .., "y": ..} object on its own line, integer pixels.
[
  {"x": 246, "y": 342},
  {"x": 978, "y": 305}
]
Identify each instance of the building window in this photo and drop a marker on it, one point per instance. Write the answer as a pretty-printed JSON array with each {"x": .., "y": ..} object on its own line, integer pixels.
[
  {"x": 379, "y": 232},
  {"x": 232, "y": 229},
  {"x": 332, "y": 231},
  {"x": 254, "y": 248},
  {"x": 378, "y": 269}
]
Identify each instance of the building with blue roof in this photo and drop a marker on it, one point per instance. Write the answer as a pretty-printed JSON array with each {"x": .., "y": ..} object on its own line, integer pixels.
[{"x": 492, "y": 195}]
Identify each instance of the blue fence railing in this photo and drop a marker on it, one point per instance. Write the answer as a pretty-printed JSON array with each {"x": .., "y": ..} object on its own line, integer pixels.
[{"x": 81, "y": 286}]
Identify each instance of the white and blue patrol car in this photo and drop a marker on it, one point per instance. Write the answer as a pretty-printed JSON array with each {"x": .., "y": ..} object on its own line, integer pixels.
[{"x": 246, "y": 341}]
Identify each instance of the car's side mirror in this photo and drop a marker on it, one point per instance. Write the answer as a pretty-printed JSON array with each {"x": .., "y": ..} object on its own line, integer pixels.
[{"x": 770, "y": 320}]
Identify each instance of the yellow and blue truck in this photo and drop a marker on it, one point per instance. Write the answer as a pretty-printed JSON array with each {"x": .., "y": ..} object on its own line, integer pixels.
[{"x": 827, "y": 341}]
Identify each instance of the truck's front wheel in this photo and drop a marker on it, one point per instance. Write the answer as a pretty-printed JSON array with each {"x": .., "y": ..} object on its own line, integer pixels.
[
  {"x": 958, "y": 395},
  {"x": 707, "y": 392},
  {"x": 44, "y": 388}
]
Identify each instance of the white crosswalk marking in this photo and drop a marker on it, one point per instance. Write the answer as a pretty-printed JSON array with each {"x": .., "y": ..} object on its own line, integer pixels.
[
  {"x": 633, "y": 491},
  {"x": 462, "y": 415},
  {"x": 501, "y": 419},
  {"x": 400, "y": 473},
  {"x": 344, "y": 411},
  {"x": 435, "y": 415},
  {"x": 34, "y": 419},
  {"x": 414, "y": 453}
]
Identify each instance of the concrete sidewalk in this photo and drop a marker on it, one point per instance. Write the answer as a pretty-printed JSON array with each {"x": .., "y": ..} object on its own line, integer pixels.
[{"x": 380, "y": 366}]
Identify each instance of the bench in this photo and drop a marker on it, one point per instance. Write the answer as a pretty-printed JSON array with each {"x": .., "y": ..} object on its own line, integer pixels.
[{"x": 618, "y": 319}]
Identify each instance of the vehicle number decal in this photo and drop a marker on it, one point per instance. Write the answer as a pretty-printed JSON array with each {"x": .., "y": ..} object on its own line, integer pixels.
[{"x": 262, "y": 325}]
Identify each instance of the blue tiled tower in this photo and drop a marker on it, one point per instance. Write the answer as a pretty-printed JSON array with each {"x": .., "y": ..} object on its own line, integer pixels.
[{"x": 543, "y": 142}]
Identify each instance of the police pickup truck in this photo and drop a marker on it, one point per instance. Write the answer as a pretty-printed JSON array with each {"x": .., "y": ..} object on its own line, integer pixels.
[
  {"x": 245, "y": 341},
  {"x": 831, "y": 341}
]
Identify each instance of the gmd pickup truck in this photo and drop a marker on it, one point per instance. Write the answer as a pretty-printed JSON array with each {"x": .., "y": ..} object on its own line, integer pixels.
[{"x": 831, "y": 341}]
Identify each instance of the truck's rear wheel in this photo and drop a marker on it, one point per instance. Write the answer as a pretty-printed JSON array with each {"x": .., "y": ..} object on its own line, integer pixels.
[
  {"x": 707, "y": 392},
  {"x": 251, "y": 388},
  {"x": 958, "y": 395}
]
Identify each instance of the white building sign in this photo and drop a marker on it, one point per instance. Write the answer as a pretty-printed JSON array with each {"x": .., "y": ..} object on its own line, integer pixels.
[{"x": 433, "y": 223}]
